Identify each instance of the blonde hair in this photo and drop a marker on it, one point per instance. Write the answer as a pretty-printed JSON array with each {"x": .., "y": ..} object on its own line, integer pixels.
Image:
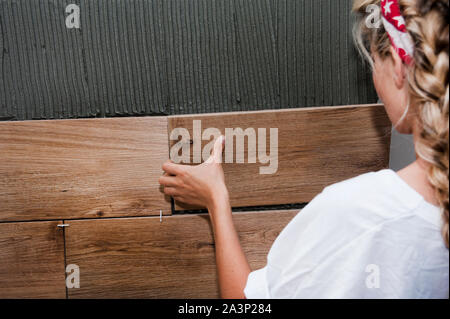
[{"x": 427, "y": 24}]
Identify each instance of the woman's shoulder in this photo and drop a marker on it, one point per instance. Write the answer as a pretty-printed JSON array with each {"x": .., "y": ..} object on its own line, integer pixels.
[
  {"x": 382, "y": 192},
  {"x": 364, "y": 204},
  {"x": 371, "y": 180}
]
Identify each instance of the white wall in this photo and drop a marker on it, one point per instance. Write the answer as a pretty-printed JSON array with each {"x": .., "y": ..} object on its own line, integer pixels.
[{"x": 402, "y": 151}]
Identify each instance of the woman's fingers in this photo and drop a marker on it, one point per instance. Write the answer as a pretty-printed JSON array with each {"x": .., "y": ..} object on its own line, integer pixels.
[
  {"x": 173, "y": 169},
  {"x": 168, "y": 181},
  {"x": 179, "y": 198},
  {"x": 171, "y": 191}
]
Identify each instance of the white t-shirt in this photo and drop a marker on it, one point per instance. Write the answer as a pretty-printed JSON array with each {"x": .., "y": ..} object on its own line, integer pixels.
[{"x": 372, "y": 236}]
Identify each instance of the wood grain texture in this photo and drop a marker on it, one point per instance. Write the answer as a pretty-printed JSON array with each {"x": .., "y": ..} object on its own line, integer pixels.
[
  {"x": 143, "y": 258},
  {"x": 82, "y": 168},
  {"x": 316, "y": 147},
  {"x": 32, "y": 260}
]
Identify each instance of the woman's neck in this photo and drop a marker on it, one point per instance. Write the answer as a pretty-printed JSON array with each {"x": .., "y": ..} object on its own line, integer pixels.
[{"x": 416, "y": 175}]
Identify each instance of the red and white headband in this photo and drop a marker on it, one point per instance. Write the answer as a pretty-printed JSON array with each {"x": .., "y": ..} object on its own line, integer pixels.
[{"x": 394, "y": 23}]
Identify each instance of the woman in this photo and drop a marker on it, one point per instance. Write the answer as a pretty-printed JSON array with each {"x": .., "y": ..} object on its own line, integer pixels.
[{"x": 379, "y": 235}]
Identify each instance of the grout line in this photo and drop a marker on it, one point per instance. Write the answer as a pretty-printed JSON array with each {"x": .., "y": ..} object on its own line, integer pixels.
[
  {"x": 174, "y": 213},
  {"x": 80, "y": 218},
  {"x": 172, "y": 206},
  {"x": 247, "y": 209},
  {"x": 65, "y": 260},
  {"x": 172, "y": 202}
]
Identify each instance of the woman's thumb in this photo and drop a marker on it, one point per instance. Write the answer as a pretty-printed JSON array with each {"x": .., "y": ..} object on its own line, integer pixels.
[{"x": 216, "y": 155}]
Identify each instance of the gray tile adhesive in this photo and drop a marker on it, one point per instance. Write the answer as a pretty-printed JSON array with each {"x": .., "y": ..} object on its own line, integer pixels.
[{"x": 162, "y": 57}]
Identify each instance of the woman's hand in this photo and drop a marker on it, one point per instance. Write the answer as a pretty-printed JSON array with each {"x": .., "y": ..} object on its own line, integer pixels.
[{"x": 202, "y": 185}]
